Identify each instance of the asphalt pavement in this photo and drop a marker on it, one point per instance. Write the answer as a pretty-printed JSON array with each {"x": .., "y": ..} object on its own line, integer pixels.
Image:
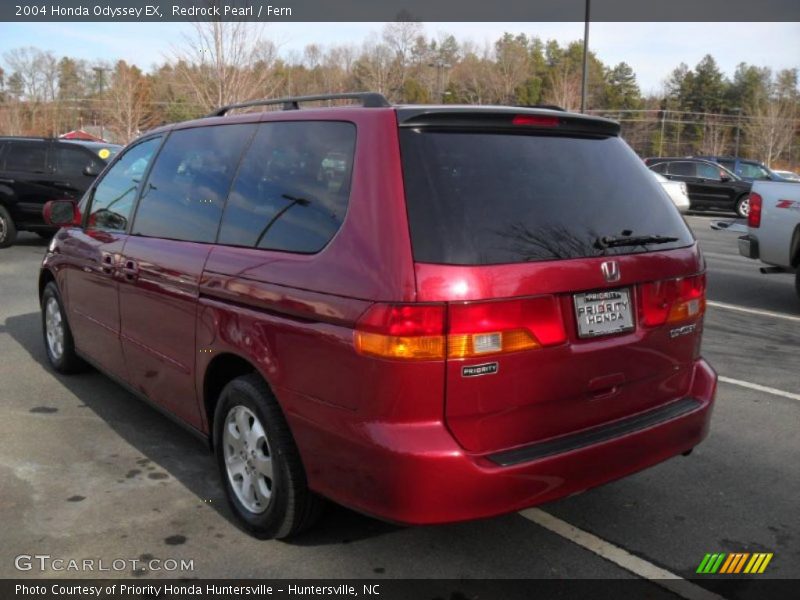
[{"x": 89, "y": 471}]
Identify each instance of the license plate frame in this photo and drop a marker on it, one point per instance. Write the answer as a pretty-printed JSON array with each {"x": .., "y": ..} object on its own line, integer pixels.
[{"x": 603, "y": 312}]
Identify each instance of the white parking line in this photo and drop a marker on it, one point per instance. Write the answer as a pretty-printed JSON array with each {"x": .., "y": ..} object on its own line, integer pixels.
[
  {"x": 661, "y": 577},
  {"x": 760, "y": 388},
  {"x": 755, "y": 311}
]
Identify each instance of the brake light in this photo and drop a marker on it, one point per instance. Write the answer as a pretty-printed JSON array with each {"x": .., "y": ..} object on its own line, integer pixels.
[
  {"x": 417, "y": 332},
  {"x": 754, "y": 216},
  {"x": 672, "y": 300},
  {"x": 535, "y": 120}
]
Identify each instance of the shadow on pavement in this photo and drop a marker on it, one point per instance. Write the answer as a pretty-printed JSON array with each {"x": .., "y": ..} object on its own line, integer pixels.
[{"x": 169, "y": 446}]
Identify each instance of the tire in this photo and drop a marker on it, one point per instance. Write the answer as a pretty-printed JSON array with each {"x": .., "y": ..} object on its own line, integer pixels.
[
  {"x": 743, "y": 206},
  {"x": 8, "y": 231},
  {"x": 58, "y": 341},
  {"x": 277, "y": 503},
  {"x": 797, "y": 282}
]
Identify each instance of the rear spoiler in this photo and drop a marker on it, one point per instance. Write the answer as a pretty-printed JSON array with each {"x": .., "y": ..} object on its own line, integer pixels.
[{"x": 511, "y": 119}]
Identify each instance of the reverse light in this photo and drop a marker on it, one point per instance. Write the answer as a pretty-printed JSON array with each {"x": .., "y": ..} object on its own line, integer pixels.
[
  {"x": 754, "y": 216},
  {"x": 471, "y": 329},
  {"x": 672, "y": 300}
]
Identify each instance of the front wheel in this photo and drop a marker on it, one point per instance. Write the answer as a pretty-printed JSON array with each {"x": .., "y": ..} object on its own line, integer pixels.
[
  {"x": 264, "y": 479},
  {"x": 743, "y": 206}
]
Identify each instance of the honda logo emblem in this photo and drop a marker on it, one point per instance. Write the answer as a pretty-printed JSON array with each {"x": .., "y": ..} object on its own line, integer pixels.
[{"x": 610, "y": 270}]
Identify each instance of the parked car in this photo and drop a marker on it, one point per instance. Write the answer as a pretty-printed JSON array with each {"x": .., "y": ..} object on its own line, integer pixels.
[
  {"x": 773, "y": 228},
  {"x": 426, "y": 313},
  {"x": 788, "y": 175},
  {"x": 709, "y": 185},
  {"x": 749, "y": 170},
  {"x": 35, "y": 170},
  {"x": 676, "y": 190}
]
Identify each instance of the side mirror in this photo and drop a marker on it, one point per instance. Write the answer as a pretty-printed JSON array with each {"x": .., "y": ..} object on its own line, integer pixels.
[
  {"x": 724, "y": 178},
  {"x": 91, "y": 170},
  {"x": 61, "y": 213}
]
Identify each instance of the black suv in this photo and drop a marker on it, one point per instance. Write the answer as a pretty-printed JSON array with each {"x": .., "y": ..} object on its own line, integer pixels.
[
  {"x": 708, "y": 184},
  {"x": 35, "y": 170}
]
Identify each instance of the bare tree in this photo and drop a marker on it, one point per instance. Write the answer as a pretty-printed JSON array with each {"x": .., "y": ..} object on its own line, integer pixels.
[
  {"x": 770, "y": 128},
  {"x": 127, "y": 101},
  {"x": 226, "y": 62},
  {"x": 564, "y": 86}
]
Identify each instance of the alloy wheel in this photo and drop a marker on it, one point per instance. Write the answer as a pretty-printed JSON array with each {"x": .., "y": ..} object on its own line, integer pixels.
[
  {"x": 248, "y": 460},
  {"x": 54, "y": 328}
]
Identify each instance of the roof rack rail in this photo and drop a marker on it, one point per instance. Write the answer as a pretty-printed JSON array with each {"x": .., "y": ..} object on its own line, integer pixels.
[{"x": 368, "y": 100}]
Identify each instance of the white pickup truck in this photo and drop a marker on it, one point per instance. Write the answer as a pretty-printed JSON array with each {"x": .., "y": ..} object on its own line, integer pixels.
[{"x": 773, "y": 228}]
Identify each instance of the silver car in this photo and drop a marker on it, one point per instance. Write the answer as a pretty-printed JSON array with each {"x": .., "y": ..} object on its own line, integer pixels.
[{"x": 676, "y": 190}]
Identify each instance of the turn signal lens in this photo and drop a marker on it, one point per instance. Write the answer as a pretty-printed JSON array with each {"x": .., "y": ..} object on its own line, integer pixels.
[{"x": 672, "y": 300}]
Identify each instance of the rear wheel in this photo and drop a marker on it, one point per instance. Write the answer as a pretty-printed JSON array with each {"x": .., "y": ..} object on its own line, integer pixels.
[
  {"x": 259, "y": 463},
  {"x": 8, "y": 231},
  {"x": 57, "y": 335},
  {"x": 743, "y": 206}
]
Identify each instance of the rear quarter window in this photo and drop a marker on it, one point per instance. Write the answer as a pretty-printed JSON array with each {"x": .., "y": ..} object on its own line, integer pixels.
[
  {"x": 478, "y": 198},
  {"x": 292, "y": 188}
]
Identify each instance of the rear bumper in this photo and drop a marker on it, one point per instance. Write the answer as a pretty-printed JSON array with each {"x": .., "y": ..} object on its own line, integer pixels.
[
  {"x": 748, "y": 246},
  {"x": 418, "y": 474}
]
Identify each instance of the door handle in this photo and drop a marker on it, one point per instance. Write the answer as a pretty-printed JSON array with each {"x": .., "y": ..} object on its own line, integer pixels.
[
  {"x": 130, "y": 269},
  {"x": 9, "y": 181},
  {"x": 63, "y": 184},
  {"x": 107, "y": 264}
]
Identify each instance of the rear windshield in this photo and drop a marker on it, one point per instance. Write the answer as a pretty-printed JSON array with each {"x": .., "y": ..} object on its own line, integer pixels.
[{"x": 477, "y": 198}]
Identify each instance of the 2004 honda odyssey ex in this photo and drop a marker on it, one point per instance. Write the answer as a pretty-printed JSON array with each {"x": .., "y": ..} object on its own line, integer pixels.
[{"x": 425, "y": 313}]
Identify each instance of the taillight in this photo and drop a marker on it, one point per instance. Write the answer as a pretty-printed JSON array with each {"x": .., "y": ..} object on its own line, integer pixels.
[
  {"x": 535, "y": 120},
  {"x": 754, "y": 216},
  {"x": 481, "y": 328},
  {"x": 672, "y": 300},
  {"x": 403, "y": 331},
  {"x": 474, "y": 329}
]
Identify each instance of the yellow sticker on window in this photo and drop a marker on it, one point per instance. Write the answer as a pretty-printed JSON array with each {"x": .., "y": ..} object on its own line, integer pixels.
[{"x": 104, "y": 153}]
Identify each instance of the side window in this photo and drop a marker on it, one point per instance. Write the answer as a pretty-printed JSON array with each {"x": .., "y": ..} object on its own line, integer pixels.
[
  {"x": 707, "y": 171},
  {"x": 188, "y": 184},
  {"x": 728, "y": 164},
  {"x": 659, "y": 168},
  {"x": 293, "y": 187},
  {"x": 683, "y": 169},
  {"x": 71, "y": 161},
  {"x": 113, "y": 196},
  {"x": 28, "y": 157}
]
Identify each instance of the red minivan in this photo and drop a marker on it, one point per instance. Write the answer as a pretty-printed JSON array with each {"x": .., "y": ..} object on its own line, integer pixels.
[{"x": 425, "y": 313}]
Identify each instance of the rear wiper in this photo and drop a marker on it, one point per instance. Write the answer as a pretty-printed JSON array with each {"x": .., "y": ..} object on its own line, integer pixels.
[{"x": 612, "y": 241}]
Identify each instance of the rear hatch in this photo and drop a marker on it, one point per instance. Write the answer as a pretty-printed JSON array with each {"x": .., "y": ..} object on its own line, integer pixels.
[{"x": 573, "y": 287}]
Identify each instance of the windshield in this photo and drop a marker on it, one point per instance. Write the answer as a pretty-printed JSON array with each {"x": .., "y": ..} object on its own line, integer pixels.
[{"x": 488, "y": 198}]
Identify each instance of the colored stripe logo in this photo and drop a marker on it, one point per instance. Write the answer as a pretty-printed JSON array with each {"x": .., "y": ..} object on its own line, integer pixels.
[{"x": 734, "y": 563}]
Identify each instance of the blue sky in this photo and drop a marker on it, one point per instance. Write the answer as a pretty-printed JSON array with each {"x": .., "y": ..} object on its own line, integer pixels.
[{"x": 652, "y": 49}]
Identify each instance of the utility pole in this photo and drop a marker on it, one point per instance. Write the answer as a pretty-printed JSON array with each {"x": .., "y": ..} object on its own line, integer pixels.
[
  {"x": 440, "y": 67},
  {"x": 661, "y": 138},
  {"x": 738, "y": 129},
  {"x": 585, "y": 58},
  {"x": 100, "y": 71}
]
